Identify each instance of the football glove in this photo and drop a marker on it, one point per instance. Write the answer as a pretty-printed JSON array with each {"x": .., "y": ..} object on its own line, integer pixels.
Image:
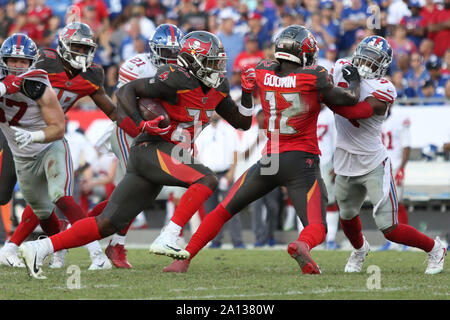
[
  {"x": 350, "y": 73},
  {"x": 24, "y": 137},
  {"x": 248, "y": 79},
  {"x": 151, "y": 126},
  {"x": 11, "y": 84}
]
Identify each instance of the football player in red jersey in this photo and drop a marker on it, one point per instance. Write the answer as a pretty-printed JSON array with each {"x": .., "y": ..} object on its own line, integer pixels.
[
  {"x": 190, "y": 92},
  {"x": 291, "y": 91},
  {"x": 72, "y": 76}
]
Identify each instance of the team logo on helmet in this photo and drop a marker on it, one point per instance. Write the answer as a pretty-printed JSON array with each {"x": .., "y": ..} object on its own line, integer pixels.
[
  {"x": 69, "y": 33},
  {"x": 198, "y": 47}
]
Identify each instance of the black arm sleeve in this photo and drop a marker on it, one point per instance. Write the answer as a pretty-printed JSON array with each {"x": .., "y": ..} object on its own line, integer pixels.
[
  {"x": 228, "y": 110},
  {"x": 32, "y": 89}
]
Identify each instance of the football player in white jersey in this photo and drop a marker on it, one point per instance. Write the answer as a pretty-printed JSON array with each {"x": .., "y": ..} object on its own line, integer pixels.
[
  {"x": 164, "y": 47},
  {"x": 32, "y": 120},
  {"x": 363, "y": 166},
  {"x": 396, "y": 137}
]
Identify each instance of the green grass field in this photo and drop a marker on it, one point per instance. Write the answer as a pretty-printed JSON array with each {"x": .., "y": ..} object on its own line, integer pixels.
[{"x": 234, "y": 274}]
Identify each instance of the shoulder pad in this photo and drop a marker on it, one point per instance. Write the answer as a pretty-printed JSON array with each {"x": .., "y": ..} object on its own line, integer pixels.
[
  {"x": 48, "y": 53},
  {"x": 267, "y": 64},
  {"x": 385, "y": 91},
  {"x": 173, "y": 76}
]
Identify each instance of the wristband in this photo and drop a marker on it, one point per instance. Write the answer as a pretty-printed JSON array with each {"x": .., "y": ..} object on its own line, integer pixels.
[
  {"x": 38, "y": 136},
  {"x": 247, "y": 112},
  {"x": 2, "y": 89}
]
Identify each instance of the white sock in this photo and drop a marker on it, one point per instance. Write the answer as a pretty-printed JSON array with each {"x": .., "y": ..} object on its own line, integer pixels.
[
  {"x": 300, "y": 226},
  {"x": 118, "y": 239},
  {"x": 290, "y": 217},
  {"x": 10, "y": 246},
  {"x": 172, "y": 227},
  {"x": 332, "y": 225},
  {"x": 93, "y": 247},
  {"x": 48, "y": 245}
]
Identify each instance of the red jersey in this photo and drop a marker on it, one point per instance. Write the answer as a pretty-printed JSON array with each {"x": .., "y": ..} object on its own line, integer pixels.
[
  {"x": 189, "y": 108},
  {"x": 69, "y": 89},
  {"x": 291, "y": 105}
]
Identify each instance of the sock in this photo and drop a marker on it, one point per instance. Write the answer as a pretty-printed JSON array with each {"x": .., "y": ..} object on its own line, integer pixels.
[
  {"x": 82, "y": 232},
  {"x": 173, "y": 228},
  {"x": 117, "y": 239},
  {"x": 300, "y": 226},
  {"x": 408, "y": 235},
  {"x": 98, "y": 209},
  {"x": 26, "y": 226},
  {"x": 208, "y": 229},
  {"x": 402, "y": 214},
  {"x": 93, "y": 247},
  {"x": 10, "y": 246},
  {"x": 332, "y": 225},
  {"x": 51, "y": 225},
  {"x": 70, "y": 209},
  {"x": 353, "y": 230},
  {"x": 313, "y": 235},
  {"x": 190, "y": 202}
]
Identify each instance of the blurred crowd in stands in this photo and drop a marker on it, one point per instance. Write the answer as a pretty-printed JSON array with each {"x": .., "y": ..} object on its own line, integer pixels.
[{"x": 418, "y": 31}]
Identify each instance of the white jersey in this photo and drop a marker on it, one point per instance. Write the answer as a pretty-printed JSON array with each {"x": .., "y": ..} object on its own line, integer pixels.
[
  {"x": 139, "y": 66},
  {"x": 326, "y": 135},
  {"x": 19, "y": 110},
  {"x": 359, "y": 148},
  {"x": 396, "y": 136}
]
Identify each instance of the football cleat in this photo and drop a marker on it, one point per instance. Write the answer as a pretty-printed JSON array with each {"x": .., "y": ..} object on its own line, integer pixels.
[
  {"x": 10, "y": 258},
  {"x": 118, "y": 256},
  {"x": 58, "y": 259},
  {"x": 99, "y": 261},
  {"x": 436, "y": 258},
  {"x": 34, "y": 254},
  {"x": 180, "y": 266},
  {"x": 386, "y": 246},
  {"x": 356, "y": 260},
  {"x": 333, "y": 245},
  {"x": 166, "y": 244},
  {"x": 300, "y": 252}
]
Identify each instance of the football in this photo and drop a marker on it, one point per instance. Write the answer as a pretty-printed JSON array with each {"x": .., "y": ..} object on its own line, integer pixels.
[{"x": 151, "y": 109}]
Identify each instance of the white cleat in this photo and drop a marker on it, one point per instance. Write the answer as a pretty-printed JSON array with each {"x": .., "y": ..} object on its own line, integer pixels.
[
  {"x": 58, "y": 259},
  {"x": 436, "y": 258},
  {"x": 180, "y": 242},
  {"x": 10, "y": 258},
  {"x": 166, "y": 244},
  {"x": 100, "y": 261},
  {"x": 356, "y": 260},
  {"x": 34, "y": 254}
]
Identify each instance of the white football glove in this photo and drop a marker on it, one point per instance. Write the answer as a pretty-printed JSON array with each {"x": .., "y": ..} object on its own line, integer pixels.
[{"x": 24, "y": 137}]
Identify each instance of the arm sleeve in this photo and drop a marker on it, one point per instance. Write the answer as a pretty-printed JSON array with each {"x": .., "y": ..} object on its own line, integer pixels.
[
  {"x": 32, "y": 89},
  {"x": 323, "y": 79}
]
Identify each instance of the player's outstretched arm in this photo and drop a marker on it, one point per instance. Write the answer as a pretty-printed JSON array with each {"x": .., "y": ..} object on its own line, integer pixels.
[
  {"x": 337, "y": 96},
  {"x": 239, "y": 117},
  {"x": 105, "y": 103}
]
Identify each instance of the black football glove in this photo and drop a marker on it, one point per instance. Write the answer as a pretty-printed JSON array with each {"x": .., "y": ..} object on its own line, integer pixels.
[{"x": 350, "y": 73}]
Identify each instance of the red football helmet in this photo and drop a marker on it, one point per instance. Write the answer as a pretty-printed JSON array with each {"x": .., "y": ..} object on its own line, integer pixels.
[{"x": 202, "y": 53}]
